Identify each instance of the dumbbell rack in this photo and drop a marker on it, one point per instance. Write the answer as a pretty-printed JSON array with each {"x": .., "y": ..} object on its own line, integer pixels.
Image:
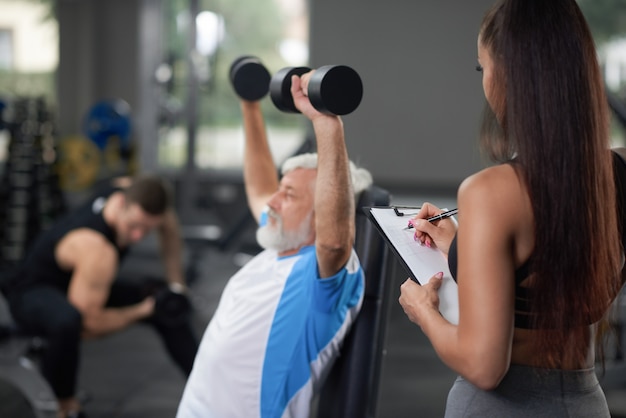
[{"x": 29, "y": 186}]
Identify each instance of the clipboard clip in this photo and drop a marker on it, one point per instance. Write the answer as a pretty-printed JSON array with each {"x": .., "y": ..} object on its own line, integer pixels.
[{"x": 398, "y": 213}]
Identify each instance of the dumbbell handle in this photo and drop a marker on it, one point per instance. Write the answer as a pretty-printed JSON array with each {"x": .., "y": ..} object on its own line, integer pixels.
[
  {"x": 332, "y": 89},
  {"x": 280, "y": 88}
]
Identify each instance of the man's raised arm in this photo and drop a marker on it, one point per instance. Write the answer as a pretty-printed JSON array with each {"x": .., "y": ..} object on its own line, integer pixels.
[
  {"x": 334, "y": 196},
  {"x": 259, "y": 172}
]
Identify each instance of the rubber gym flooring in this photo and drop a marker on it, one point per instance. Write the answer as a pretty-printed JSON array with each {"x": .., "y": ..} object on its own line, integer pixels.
[{"x": 128, "y": 375}]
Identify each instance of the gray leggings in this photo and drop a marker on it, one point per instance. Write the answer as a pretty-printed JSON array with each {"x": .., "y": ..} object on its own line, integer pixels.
[{"x": 531, "y": 392}]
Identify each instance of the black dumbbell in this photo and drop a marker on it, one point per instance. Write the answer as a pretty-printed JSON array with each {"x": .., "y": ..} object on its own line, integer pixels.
[
  {"x": 171, "y": 308},
  {"x": 249, "y": 78},
  {"x": 333, "y": 89},
  {"x": 280, "y": 88}
]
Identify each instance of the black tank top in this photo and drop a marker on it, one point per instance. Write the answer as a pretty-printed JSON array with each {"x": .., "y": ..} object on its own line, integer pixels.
[
  {"x": 39, "y": 267},
  {"x": 522, "y": 294},
  {"x": 522, "y": 302}
]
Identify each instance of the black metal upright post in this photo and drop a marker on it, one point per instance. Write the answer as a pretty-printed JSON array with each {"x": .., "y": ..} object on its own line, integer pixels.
[{"x": 186, "y": 187}]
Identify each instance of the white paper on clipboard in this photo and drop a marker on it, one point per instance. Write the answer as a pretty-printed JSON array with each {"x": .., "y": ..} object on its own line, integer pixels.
[{"x": 421, "y": 262}]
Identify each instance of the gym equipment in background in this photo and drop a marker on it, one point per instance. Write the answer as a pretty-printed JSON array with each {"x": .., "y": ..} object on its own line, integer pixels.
[
  {"x": 104, "y": 150},
  {"x": 79, "y": 163},
  {"x": 29, "y": 187},
  {"x": 106, "y": 119}
]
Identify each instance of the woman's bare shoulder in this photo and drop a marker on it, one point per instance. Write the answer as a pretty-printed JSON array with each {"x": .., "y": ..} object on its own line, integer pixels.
[
  {"x": 496, "y": 190},
  {"x": 501, "y": 176}
]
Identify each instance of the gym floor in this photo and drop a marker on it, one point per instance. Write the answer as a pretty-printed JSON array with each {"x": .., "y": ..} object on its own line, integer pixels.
[{"x": 129, "y": 375}]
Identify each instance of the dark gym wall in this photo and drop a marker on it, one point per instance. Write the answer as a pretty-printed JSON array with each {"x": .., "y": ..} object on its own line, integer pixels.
[
  {"x": 418, "y": 122},
  {"x": 110, "y": 49}
]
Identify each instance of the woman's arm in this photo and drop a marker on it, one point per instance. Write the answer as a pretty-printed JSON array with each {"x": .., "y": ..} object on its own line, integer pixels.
[{"x": 479, "y": 347}]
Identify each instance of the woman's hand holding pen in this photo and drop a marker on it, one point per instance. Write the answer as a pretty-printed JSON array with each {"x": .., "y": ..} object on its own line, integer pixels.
[{"x": 438, "y": 233}]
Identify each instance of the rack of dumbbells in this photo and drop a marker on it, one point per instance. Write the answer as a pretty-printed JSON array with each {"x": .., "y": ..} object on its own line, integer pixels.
[
  {"x": 31, "y": 200},
  {"x": 29, "y": 186}
]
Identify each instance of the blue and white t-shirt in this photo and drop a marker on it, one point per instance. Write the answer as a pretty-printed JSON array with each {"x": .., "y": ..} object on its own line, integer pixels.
[{"x": 276, "y": 331}]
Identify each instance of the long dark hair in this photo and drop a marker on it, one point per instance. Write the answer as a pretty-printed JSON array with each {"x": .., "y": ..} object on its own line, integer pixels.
[{"x": 553, "y": 122}]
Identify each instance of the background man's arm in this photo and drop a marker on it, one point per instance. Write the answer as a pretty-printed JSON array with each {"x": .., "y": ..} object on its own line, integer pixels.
[
  {"x": 170, "y": 243},
  {"x": 171, "y": 250},
  {"x": 95, "y": 264}
]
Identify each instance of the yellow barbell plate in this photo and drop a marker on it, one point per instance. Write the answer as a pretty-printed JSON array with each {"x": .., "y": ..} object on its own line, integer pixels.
[{"x": 78, "y": 163}]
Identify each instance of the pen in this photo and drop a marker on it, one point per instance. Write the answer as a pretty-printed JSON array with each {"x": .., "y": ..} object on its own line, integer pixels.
[{"x": 442, "y": 215}]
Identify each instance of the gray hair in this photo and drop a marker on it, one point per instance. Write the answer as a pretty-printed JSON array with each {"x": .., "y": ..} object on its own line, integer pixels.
[{"x": 361, "y": 178}]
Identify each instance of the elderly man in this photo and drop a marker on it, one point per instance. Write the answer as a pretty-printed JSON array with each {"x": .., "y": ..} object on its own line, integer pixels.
[{"x": 282, "y": 318}]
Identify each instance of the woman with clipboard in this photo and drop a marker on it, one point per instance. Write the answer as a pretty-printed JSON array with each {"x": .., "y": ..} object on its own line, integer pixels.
[{"x": 536, "y": 255}]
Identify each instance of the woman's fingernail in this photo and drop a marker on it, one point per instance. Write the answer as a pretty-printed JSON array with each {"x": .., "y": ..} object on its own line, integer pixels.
[
  {"x": 439, "y": 275},
  {"x": 427, "y": 243}
]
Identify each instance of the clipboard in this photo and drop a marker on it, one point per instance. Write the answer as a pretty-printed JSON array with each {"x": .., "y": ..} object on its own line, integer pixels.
[{"x": 419, "y": 261}]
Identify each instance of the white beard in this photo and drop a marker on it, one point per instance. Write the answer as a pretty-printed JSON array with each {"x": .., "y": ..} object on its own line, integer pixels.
[{"x": 274, "y": 237}]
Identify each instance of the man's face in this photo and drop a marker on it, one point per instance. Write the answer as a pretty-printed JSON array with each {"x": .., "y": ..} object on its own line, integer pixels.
[
  {"x": 290, "y": 222},
  {"x": 134, "y": 224}
]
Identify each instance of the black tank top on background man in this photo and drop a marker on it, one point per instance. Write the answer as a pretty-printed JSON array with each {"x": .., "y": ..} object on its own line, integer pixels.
[{"x": 39, "y": 266}]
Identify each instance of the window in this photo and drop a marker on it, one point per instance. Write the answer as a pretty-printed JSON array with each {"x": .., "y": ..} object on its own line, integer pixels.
[
  {"x": 606, "y": 19},
  {"x": 28, "y": 56},
  {"x": 6, "y": 49},
  {"x": 198, "y": 104}
]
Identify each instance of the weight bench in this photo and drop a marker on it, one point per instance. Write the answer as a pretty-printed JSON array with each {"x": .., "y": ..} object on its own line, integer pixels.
[{"x": 351, "y": 388}]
